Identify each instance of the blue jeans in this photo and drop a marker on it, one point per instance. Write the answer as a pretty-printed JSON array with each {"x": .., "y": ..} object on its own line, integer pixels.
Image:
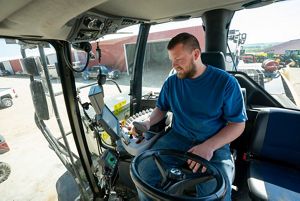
[{"x": 172, "y": 140}]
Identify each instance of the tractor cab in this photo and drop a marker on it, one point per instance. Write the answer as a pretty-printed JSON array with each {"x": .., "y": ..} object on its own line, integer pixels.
[{"x": 122, "y": 45}]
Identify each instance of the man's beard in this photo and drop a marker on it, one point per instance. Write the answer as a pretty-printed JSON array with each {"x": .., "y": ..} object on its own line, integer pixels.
[{"x": 189, "y": 74}]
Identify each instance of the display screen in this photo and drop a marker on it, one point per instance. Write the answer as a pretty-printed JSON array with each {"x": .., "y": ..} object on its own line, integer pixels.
[
  {"x": 111, "y": 120},
  {"x": 111, "y": 160}
]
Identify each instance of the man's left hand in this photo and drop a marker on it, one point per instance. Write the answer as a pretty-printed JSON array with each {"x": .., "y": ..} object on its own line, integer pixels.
[{"x": 203, "y": 151}]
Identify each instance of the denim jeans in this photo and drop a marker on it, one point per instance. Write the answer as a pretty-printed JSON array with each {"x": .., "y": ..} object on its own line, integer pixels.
[{"x": 172, "y": 140}]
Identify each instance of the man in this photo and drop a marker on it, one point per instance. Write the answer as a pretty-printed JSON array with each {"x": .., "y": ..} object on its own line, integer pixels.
[{"x": 207, "y": 106}]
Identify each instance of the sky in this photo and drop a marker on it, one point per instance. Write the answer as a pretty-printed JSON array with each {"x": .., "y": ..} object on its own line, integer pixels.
[
  {"x": 279, "y": 25},
  {"x": 277, "y": 22}
]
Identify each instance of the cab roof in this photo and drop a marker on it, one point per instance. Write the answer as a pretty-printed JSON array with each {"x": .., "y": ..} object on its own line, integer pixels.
[{"x": 64, "y": 19}]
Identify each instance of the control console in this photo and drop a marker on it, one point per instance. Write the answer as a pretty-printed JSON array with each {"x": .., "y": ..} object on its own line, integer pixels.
[
  {"x": 136, "y": 145},
  {"x": 92, "y": 26}
]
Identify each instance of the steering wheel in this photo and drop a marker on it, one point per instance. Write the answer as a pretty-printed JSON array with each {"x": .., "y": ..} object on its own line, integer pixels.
[{"x": 176, "y": 180}]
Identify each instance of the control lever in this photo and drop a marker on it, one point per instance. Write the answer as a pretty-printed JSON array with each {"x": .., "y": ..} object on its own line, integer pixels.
[
  {"x": 140, "y": 129},
  {"x": 115, "y": 84},
  {"x": 101, "y": 80},
  {"x": 125, "y": 136}
]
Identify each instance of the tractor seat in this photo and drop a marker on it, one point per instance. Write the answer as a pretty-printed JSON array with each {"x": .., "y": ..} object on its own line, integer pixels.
[
  {"x": 215, "y": 59},
  {"x": 268, "y": 181},
  {"x": 274, "y": 172}
]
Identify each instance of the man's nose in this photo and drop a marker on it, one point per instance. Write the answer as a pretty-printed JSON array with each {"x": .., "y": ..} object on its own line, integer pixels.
[{"x": 174, "y": 65}]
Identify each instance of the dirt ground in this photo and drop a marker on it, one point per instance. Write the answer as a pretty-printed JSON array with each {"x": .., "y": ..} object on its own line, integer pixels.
[{"x": 34, "y": 166}]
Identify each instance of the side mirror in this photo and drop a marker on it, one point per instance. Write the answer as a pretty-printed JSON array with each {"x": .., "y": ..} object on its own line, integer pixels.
[
  {"x": 32, "y": 65},
  {"x": 39, "y": 100},
  {"x": 84, "y": 46}
]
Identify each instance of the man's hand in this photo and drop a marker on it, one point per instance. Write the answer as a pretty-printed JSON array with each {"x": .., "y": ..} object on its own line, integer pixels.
[
  {"x": 206, "y": 150},
  {"x": 140, "y": 127},
  {"x": 203, "y": 151},
  {"x": 156, "y": 116}
]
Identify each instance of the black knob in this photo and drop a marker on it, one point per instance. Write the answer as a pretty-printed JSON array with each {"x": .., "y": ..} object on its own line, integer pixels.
[
  {"x": 94, "y": 24},
  {"x": 87, "y": 21}
]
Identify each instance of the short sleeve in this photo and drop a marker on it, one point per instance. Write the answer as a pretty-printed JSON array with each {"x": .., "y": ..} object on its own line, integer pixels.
[
  {"x": 234, "y": 107},
  {"x": 163, "y": 100}
]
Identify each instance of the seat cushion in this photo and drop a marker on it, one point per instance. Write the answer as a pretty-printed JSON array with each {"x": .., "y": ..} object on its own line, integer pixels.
[{"x": 267, "y": 181}]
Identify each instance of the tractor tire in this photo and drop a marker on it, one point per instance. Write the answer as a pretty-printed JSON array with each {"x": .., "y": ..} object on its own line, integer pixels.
[{"x": 4, "y": 171}]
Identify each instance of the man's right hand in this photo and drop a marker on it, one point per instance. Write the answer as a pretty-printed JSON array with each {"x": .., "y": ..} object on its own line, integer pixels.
[{"x": 139, "y": 127}]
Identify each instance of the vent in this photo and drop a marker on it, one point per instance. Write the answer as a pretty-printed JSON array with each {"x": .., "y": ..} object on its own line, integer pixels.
[{"x": 128, "y": 22}]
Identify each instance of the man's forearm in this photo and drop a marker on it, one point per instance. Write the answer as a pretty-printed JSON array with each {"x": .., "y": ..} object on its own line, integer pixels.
[
  {"x": 225, "y": 135},
  {"x": 156, "y": 116}
]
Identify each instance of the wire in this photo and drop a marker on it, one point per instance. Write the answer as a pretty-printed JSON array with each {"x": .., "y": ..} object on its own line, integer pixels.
[
  {"x": 234, "y": 64},
  {"x": 106, "y": 145},
  {"x": 98, "y": 51},
  {"x": 96, "y": 132}
]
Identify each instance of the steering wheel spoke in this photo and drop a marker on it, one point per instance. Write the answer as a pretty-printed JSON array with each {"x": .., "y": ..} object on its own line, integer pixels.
[
  {"x": 162, "y": 169},
  {"x": 178, "y": 187},
  {"x": 192, "y": 175}
]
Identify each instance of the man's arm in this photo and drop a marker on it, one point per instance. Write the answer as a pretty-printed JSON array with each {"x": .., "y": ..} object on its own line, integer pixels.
[
  {"x": 154, "y": 118},
  {"x": 225, "y": 136}
]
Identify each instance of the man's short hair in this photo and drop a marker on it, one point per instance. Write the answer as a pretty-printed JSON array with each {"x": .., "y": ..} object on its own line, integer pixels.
[{"x": 188, "y": 40}]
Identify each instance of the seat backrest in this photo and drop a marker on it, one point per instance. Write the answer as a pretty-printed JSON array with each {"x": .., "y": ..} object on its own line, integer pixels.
[
  {"x": 215, "y": 59},
  {"x": 276, "y": 136}
]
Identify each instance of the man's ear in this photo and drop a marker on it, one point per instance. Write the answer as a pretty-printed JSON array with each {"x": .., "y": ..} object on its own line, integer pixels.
[{"x": 196, "y": 54}]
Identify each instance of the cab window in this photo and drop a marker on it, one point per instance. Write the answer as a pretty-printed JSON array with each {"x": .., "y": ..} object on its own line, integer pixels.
[
  {"x": 157, "y": 65},
  {"x": 268, "y": 51}
]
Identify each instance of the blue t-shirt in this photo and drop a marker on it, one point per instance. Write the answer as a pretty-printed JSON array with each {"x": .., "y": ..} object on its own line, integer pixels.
[{"x": 204, "y": 105}]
